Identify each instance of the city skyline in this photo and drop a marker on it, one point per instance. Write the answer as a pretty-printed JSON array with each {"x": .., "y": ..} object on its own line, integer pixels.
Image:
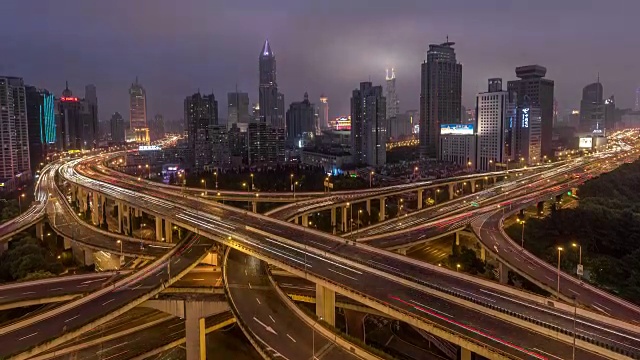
[{"x": 185, "y": 58}]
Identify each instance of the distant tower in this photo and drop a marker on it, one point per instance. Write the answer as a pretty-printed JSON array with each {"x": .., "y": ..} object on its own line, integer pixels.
[
  {"x": 392, "y": 97},
  {"x": 138, "y": 112},
  {"x": 268, "y": 89},
  {"x": 637, "y": 99},
  {"x": 324, "y": 112}
]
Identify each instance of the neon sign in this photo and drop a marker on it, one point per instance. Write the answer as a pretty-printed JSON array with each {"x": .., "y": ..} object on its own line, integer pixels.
[
  {"x": 74, "y": 99},
  {"x": 525, "y": 118}
]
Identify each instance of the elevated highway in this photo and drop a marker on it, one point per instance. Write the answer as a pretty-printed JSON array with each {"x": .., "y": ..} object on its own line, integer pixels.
[{"x": 395, "y": 278}]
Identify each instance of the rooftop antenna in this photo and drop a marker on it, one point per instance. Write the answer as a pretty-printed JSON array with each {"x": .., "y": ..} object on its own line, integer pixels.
[{"x": 447, "y": 37}]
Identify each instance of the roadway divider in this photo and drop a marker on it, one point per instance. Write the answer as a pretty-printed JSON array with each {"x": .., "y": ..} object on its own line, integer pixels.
[
  {"x": 95, "y": 323},
  {"x": 331, "y": 335},
  {"x": 521, "y": 320}
]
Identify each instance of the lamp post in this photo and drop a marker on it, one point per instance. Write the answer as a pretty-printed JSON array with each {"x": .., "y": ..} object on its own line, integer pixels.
[
  {"x": 216, "y": 175},
  {"x": 491, "y": 163},
  {"x": 522, "y": 236},
  {"x": 558, "y": 282},
  {"x": 575, "y": 310},
  {"x": 252, "y": 186},
  {"x": 371, "y": 179},
  {"x": 20, "y": 202},
  {"x": 204, "y": 184},
  {"x": 359, "y": 212},
  {"x": 457, "y": 267},
  {"x": 313, "y": 339},
  {"x": 149, "y": 171},
  {"x": 121, "y": 252},
  {"x": 435, "y": 198},
  {"x": 579, "y": 259},
  {"x": 294, "y": 189},
  {"x": 291, "y": 182}
]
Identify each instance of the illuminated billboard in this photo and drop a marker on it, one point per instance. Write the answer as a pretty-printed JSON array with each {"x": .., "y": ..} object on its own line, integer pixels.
[
  {"x": 456, "y": 129},
  {"x": 149, "y": 147},
  {"x": 585, "y": 143}
]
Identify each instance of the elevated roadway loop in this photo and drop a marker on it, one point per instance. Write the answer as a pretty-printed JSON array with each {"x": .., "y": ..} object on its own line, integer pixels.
[{"x": 208, "y": 220}]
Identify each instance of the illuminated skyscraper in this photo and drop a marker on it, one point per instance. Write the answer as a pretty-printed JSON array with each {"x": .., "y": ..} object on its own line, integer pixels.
[
  {"x": 393, "y": 106},
  {"x": 368, "y": 125},
  {"x": 42, "y": 123},
  {"x": 440, "y": 95},
  {"x": 138, "y": 112},
  {"x": 238, "y": 108},
  {"x": 323, "y": 113},
  {"x": 269, "y": 98},
  {"x": 14, "y": 142},
  {"x": 201, "y": 114}
]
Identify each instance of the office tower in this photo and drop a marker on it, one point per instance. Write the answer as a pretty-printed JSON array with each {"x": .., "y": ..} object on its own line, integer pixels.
[
  {"x": 323, "y": 113},
  {"x": 392, "y": 98},
  {"x": 556, "y": 112},
  {"x": 592, "y": 108},
  {"x": 69, "y": 121},
  {"x": 117, "y": 128},
  {"x": 525, "y": 133},
  {"x": 220, "y": 154},
  {"x": 539, "y": 91},
  {"x": 156, "y": 128},
  {"x": 457, "y": 144},
  {"x": 440, "y": 95},
  {"x": 494, "y": 108},
  {"x": 280, "y": 111},
  {"x": 41, "y": 122},
  {"x": 368, "y": 119},
  {"x": 138, "y": 112},
  {"x": 400, "y": 126},
  {"x": 255, "y": 113},
  {"x": 300, "y": 122},
  {"x": 265, "y": 144},
  {"x": 268, "y": 88},
  {"x": 610, "y": 117},
  {"x": 238, "y": 145},
  {"x": 89, "y": 117},
  {"x": 200, "y": 113},
  {"x": 238, "y": 108},
  {"x": 14, "y": 138},
  {"x": 637, "y": 108}
]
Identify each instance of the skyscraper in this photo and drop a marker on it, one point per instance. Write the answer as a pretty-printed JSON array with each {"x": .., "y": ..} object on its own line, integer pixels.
[
  {"x": 14, "y": 140},
  {"x": 265, "y": 144},
  {"x": 592, "y": 108},
  {"x": 323, "y": 112},
  {"x": 200, "y": 113},
  {"x": 156, "y": 128},
  {"x": 238, "y": 108},
  {"x": 300, "y": 122},
  {"x": 41, "y": 123},
  {"x": 493, "y": 108},
  {"x": 69, "y": 121},
  {"x": 138, "y": 112},
  {"x": 526, "y": 133},
  {"x": 440, "y": 95},
  {"x": 637, "y": 108},
  {"x": 268, "y": 88},
  {"x": 117, "y": 128},
  {"x": 368, "y": 131},
  {"x": 539, "y": 91},
  {"x": 280, "y": 111},
  {"x": 392, "y": 99},
  {"x": 89, "y": 117}
]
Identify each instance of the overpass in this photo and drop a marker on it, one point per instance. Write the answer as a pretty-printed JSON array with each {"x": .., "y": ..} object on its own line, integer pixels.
[{"x": 207, "y": 220}]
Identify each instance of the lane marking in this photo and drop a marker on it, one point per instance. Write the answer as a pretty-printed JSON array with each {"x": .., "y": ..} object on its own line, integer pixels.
[
  {"x": 198, "y": 279},
  {"x": 107, "y": 302},
  {"x": 112, "y": 356},
  {"x": 575, "y": 292},
  {"x": 250, "y": 286},
  {"x": 432, "y": 309},
  {"x": 546, "y": 353},
  {"x": 272, "y": 319},
  {"x": 28, "y": 336},
  {"x": 476, "y": 295},
  {"x": 72, "y": 318},
  {"x": 337, "y": 272},
  {"x": 28, "y": 292},
  {"x": 56, "y": 289},
  {"x": 258, "y": 300},
  {"x": 292, "y": 339},
  {"x": 136, "y": 287},
  {"x": 602, "y": 306}
]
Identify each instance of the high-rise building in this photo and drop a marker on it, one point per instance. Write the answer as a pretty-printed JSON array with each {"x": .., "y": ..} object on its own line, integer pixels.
[
  {"x": 300, "y": 122},
  {"x": 591, "y": 107},
  {"x": 238, "y": 145},
  {"x": 89, "y": 116},
  {"x": 138, "y": 112},
  {"x": 440, "y": 95},
  {"x": 200, "y": 113},
  {"x": 117, "y": 128},
  {"x": 494, "y": 108},
  {"x": 69, "y": 121},
  {"x": 393, "y": 106},
  {"x": 268, "y": 88},
  {"x": 280, "y": 111},
  {"x": 368, "y": 120},
  {"x": 238, "y": 108},
  {"x": 525, "y": 133},
  {"x": 323, "y": 112},
  {"x": 255, "y": 113},
  {"x": 41, "y": 124},
  {"x": 539, "y": 92},
  {"x": 156, "y": 128},
  {"x": 220, "y": 154},
  {"x": 610, "y": 115},
  {"x": 14, "y": 138},
  {"x": 637, "y": 108},
  {"x": 265, "y": 144}
]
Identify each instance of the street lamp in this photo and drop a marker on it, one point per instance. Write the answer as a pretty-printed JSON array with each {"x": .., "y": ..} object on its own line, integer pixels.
[
  {"x": 558, "y": 282},
  {"x": 371, "y": 179},
  {"x": 20, "y": 202},
  {"x": 121, "y": 253},
  {"x": 216, "y": 175},
  {"x": 457, "y": 267},
  {"x": 204, "y": 184},
  {"x": 359, "y": 212},
  {"x": 522, "y": 236},
  {"x": 579, "y": 259},
  {"x": 294, "y": 189},
  {"x": 313, "y": 340},
  {"x": 252, "y": 187},
  {"x": 149, "y": 169}
]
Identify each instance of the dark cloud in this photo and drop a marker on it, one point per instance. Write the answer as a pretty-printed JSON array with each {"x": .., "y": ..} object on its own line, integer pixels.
[{"x": 329, "y": 46}]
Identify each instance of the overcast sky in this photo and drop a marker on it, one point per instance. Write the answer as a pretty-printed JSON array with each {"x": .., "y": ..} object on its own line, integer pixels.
[{"x": 176, "y": 47}]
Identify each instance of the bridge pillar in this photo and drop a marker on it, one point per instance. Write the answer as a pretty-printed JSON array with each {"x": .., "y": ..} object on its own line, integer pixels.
[
  {"x": 159, "y": 236},
  {"x": 383, "y": 209},
  {"x": 420, "y": 201},
  {"x": 402, "y": 251},
  {"x": 457, "y": 238},
  {"x": 465, "y": 354},
  {"x": 66, "y": 243},
  {"x": 196, "y": 344},
  {"x": 451, "y": 191},
  {"x": 95, "y": 206},
  {"x": 368, "y": 206},
  {"x": 119, "y": 216},
  {"x": 126, "y": 219},
  {"x": 473, "y": 185},
  {"x": 305, "y": 220},
  {"x": 326, "y": 304},
  {"x": 40, "y": 230},
  {"x": 334, "y": 219},
  {"x": 495, "y": 179},
  {"x": 168, "y": 231},
  {"x": 296, "y": 221},
  {"x": 503, "y": 271},
  {"x": 344, "y": 219},
  {"x": 254, "y": 207},
  {"x": 355, "y": 323},
  {"x": 483, "y": 254}
]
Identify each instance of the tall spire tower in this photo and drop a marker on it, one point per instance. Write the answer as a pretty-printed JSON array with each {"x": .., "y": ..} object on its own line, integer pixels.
[
  {"x": 392, "y": 97},
  {"x": 268, "y": 88}
]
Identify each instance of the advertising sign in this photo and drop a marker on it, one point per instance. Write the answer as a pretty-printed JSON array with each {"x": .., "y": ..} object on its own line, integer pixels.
[
  {"x": 525, "y": 118},
  {"x": 456, "y": 129},
  {"x": 580, "y": 270},
  {"x": 585, "y": 143},
  {"x": 148, "y": 147}
]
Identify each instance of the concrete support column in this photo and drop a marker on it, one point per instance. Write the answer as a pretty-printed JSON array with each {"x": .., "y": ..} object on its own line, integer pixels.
[
  {"x": 451, "y": 191},
  {"x": 126, "y": 219},
  {"x": 483, "y": 254},
  {"x": 473, "y": 185},
  {"x": 196, "y": 345},
  {"x": 465, "y": 354},
  {"x": 66, "y": 243},
  {"x": 40, "y": 230},
  {"x": 326, "y": 304},
  {"x": 344, "y": 219},
  {"x": 119, "y": 217},
  {"x": 503, "y": 271},
  {"x": 168, "y": 231},
  {"x": 495, "y": 179},
  {"x": 295, "y": 220},
  {"x": 158, "y": 228},
  {"x": 334, "y": 219},
  {"x": 420, "y": 200},
  {"x": 368, "y": 206},
  {"x": 402, "y": 251},
  {"x": 305, "y": 220},
  {"x": 254, "y": 207},
  {"x": 383, "y": 209},
  {"x": 457, "y": 238},
  {"x": 95, "y": 207}
]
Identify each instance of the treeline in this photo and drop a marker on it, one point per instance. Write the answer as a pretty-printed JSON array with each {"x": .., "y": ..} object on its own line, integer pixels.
[
  {"x": 606, "y": 223},
  {"x": 28, "y": 259}
]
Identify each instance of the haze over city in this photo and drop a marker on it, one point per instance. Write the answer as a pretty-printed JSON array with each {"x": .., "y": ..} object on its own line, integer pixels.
[{"x": 176, "y": 48}]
